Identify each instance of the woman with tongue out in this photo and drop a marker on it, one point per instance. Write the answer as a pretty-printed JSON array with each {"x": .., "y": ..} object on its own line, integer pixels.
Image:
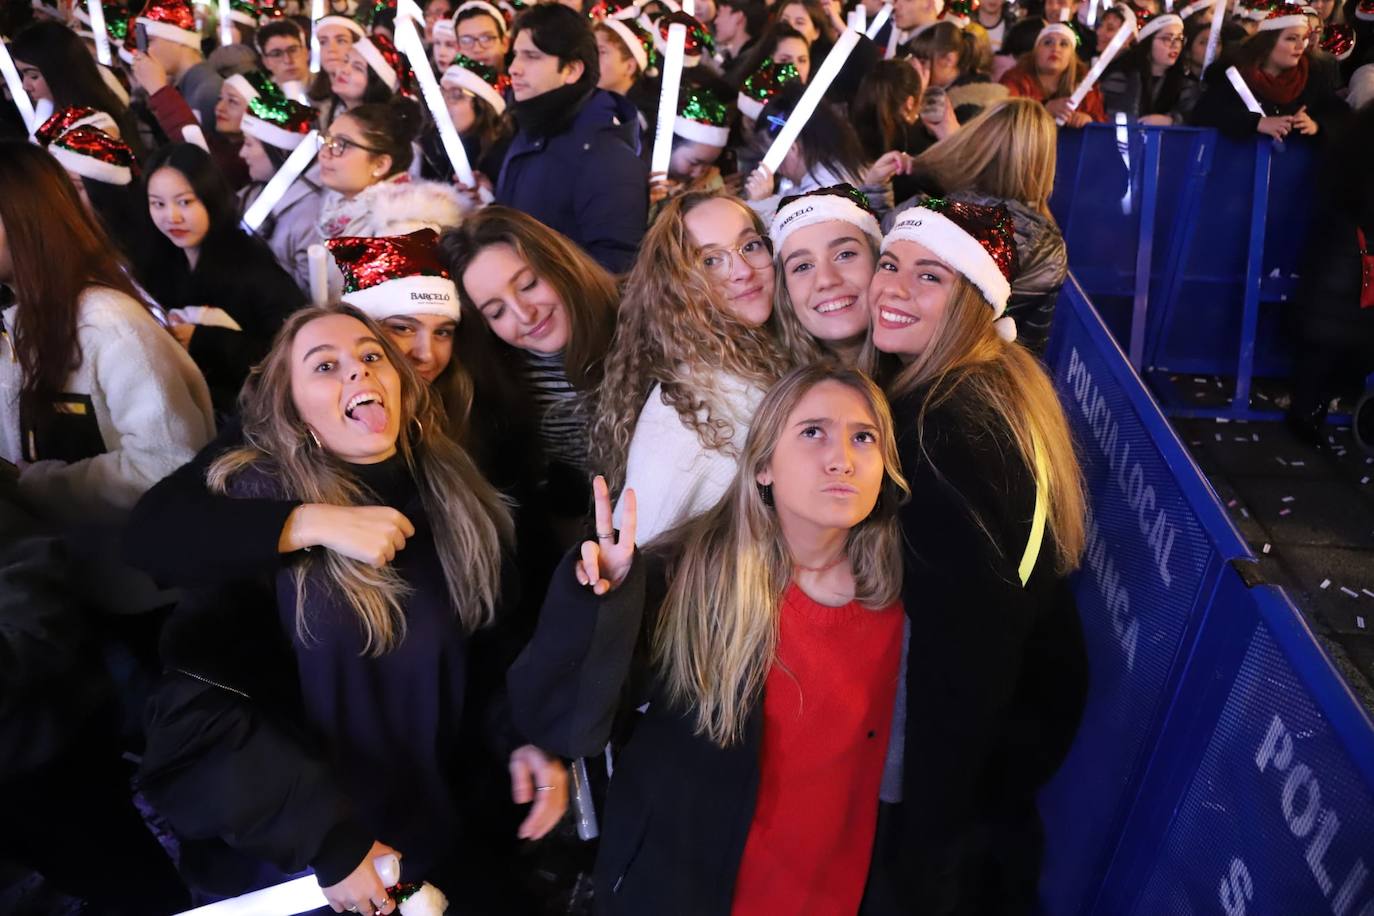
[{"x": 995, "y": 668}]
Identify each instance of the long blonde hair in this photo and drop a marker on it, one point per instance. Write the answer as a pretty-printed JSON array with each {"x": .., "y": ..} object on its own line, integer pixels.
[
  {"x": 675, "y": 331},
  {"x": 1007, "y": 152},
  {"x": 717, "y": 631},
  {"x": 1010, "y": 387},
  {"x": 470, "y": 521}
]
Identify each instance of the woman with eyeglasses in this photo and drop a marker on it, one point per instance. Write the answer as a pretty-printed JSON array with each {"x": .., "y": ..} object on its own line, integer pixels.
[
  {"x": 692, "y": 358},
  {"x": 272, "y": 128},
  {"x": 1147, "y": 83},
  {"x": 1050, "y": 72},
  {"x": 475, "y": 97}
]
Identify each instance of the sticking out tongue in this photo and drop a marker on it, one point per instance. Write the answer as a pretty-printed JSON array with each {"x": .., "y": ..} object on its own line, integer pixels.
[{"x": 372, "y": 415}]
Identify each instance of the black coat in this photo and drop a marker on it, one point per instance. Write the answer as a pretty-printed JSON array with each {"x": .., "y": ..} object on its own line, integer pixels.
[
  {"x": 996, "y": 673},
  {"x": 1222, "y": 108}
]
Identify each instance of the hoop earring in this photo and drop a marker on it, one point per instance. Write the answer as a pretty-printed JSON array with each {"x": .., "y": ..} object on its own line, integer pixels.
[
  {"x": 419, "y": 427},
  {"x": 313, "y": 438},
  {"x": 766, "y": 494}
]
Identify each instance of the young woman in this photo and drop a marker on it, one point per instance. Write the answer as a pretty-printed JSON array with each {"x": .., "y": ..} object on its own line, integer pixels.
[
  {"x": 701, "y": 132},
  {"x": 225, "y": 293},
  {"x": 272, "y": 128},
  {"x": 994, "y": 525},
  {"x": 691, "y": 360},
  {"x": 1050, "y": 72},
  {"x": 1274, "y": 64},
  {"x": 763, "y": 641},
  {"x": 368, "y": 74},
  {"x": 475, "y": 97},
  {"x": 888, "y": 114},
  {"x": 819, "y": 23},
  {"x": 99, "y": 402},
  {"x": 1006, "y": 156},
  {"x": 336, "y": 34},
  {"x": 381, "y": 646},
  {"x": 1147, "y": 82},
  {"x": 783, "y": 44},
  {"x": 825, "y": 245},
  {"x": 959, "y": 66}
]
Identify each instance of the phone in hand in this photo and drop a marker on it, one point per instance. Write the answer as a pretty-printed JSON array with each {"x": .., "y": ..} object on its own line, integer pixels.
[
  {"x": 933, "y": 105},
  {"x": 141, "y": 38}
]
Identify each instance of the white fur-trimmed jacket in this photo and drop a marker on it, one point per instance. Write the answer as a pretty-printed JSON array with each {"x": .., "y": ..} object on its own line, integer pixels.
[
  {"x": 398, "y": 205},
  {"x": 135, "y": 410}
]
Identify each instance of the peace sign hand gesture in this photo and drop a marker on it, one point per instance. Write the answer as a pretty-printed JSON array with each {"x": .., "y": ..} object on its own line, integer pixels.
[{"x": 606, "y": 561}]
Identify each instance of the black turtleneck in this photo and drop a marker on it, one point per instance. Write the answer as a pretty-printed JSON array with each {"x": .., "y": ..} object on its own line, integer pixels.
[{"x": 551, "y": 112}]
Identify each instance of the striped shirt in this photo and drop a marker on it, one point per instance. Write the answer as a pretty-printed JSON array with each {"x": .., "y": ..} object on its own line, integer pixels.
[{"x": 560, "y": 409}]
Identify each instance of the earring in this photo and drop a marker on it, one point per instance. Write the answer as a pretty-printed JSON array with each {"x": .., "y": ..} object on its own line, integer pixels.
[
  {"x": 419, "y": 427},
  {"x": 313, "y": 438},
  {"x": 766, "y": 494}
]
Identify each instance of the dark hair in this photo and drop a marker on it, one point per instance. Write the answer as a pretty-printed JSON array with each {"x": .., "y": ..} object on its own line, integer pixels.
[
  {"x": 1255, "y": 50},
  {"x": 876, "y": 112},
  {"x": 755, "y": 14},
  {"x": 555, "y": 29},
  {"x": 73, "y": 76},
  {"x": 57, "y": 252},
  {"x": 768, "y": 45},
  {"x": 827, "y": 139},
  {"x": 278, "y": 28},
  {"x": 390, "y": 127},
  {"x": 376, "y": 91},
  {"x": 163, "y": 266},
  {"x": 119, "y": 211},
  {"x": 1137, "y": 59},
  {"x": 488, "y": 127},
  {"x": 940, "y": 39},
  {"x": 824, "y": 28},
  {"x": 476, "y": 11}
]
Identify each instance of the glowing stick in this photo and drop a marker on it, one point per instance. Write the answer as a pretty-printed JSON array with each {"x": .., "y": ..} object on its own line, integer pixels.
[
  {"x": 858, "y": 18},
  {"x": 879, "y": 21},
  {"x": 1243, "y": 90},
  {"x": 96, "y": 11},
  {"x": 192, "y": 133},
  {"x": 1214, "y": 36},
  {"x": 290, "y": 170},
  {"x": 1116, "y": 44},
  {"x": 806, "y": 106},
  {"x": 411, "y": 9},
  {"x": 667, "y": 97},
  {"x": 226, "y": 25},
  {"x": 317, "y": 257},
  {"x": 16, "y": 87},
  {"x": 689, "y": 7},
  {"x": 409, "y": 41},
  {"x": 316, "y": 14},
  {"x": 296, "y": 896}
]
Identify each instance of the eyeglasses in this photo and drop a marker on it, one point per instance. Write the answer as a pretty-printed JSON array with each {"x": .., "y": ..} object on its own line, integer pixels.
[
  {"x": 455, "y": 94},
  {"x": 337, "y": 146},
  {"x": 1175, "y": 42},
  {"x": 757, "y": 252},
  {"x": 481, "y": 42},
  {"x": 283, "y": 53}
]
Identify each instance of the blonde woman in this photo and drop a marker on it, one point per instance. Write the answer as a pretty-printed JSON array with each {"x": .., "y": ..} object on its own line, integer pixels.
[
  {"x": 996, "y": 670},
  {"x": 1050, "y": 72},
  {"x": 691, "y": 359},
  {"x": 771, "y": 645}
]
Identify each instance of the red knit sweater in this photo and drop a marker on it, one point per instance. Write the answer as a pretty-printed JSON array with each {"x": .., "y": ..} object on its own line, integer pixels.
[{"x": 827, "y": 712}]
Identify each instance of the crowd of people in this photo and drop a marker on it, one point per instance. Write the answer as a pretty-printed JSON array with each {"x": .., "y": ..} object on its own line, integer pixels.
[{"x": 730, "y": 507}]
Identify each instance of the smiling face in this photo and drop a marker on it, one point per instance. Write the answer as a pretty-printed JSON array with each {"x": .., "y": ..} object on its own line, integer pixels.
[
  {"x": 1053, "y": 54},
  {"x": 425, "y": 340},
  {"x": 519, "y": 306},
  {"x": 826, "y": 470},
  {"x": 724, "y": 231},
  {"x": 176, "y": 210},
  {"x": 827, "y": 268},
  {"x": 908, "y": 298},
  {"x": 345, "y": 390},
  {"x": 1291, "y": 46},
  {"x": 533, "y": 72},
  {"x": 794, "y": 51}
]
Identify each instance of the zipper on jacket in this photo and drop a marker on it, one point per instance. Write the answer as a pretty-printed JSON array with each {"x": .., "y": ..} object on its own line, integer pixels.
[{"x": 206, "y": 680}]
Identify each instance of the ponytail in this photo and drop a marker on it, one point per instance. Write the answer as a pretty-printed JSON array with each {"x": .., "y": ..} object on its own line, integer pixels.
[{"x": 391, "y": 128}]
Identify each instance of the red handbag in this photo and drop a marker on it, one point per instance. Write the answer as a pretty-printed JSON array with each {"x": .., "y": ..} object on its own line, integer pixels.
[{"x": 1366, "y": 271}]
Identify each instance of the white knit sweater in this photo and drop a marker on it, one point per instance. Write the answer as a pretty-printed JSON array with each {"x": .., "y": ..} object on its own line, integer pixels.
[
  {"x": 673, "y": 475},
  {"x": 151, "y": 406}
]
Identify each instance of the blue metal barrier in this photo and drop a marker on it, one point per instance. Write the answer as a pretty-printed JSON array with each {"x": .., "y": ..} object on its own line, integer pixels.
[{"x": 1187, "y": 666}]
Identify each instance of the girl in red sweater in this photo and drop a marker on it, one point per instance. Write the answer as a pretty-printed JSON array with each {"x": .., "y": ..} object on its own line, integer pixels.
[{"x": 1050, "y": 72}]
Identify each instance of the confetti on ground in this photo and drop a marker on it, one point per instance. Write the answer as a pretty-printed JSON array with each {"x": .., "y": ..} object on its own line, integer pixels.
[
  {"x": 1200, "y": 381},
  {"x": 1350, "y": 591},
  {"x": 1261, "y": 395},
  {"x": 1241, "y": 439},
  {"x": 1287, "y": 499},
  {"x": 1218, "y": 437},
  {"x": 1265, "y": 549},
  {"x": 1285, "y": 512},
  {"x": 1326, "y": 583}
]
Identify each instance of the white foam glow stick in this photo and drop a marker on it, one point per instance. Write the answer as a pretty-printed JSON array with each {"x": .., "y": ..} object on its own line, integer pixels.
[
  {"x": 16, "y": 87},
  {"x": 192, "y": 133},
  {"x": 412, "y": 45},
  {"x": 299, "y": 895},
  {"x": 226, "y": 25},
  {"x": 806, "y": 105},
  {"x": 411, "y": 9},
  {"x": 858, "y": 18},
  {"x": 317, "y": 259},
  {"x": 1214, "y": 36},
  {"x": 879, "y": 21},
  {"x": 689, "y": 7},
  {"x": 667, "y": 98},
  {"x": 290, "y": 170},
  {"x": 316, "y": 14},
  {"x": 96, "y": 11},
  {"x": 1103, "y": 61},
  {"x": 1243, "y": 90}
]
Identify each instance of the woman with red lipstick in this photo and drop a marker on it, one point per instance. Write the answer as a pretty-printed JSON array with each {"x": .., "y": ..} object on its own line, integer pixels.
[
  {"x": 1147, "y": 82},
  {"x": 762, "y": 640},
  {"x": 1274, "y": 64},
  {"x": 826, "y": 243},
  {"x": 692, "y": 357},
  {"x": 996, "y": 670},
  {"x": 1050, "y": 72}
]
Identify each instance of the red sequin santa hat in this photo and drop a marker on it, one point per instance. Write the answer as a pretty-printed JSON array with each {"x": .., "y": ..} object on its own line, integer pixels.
[
  {"x": 171, "y": 20},
  {"x": 959, "y": 12},
  {"x": 1283, "y": 16},
  {"x": 975, "y": 240},
  {"x": 1338, "y": 40},
  {"x": 74, "y": 116},
  {"x": 94, "y": 154},
  {"x": 699, "y": 40},
  {"x": 1365, "y": 11},
  {"x": 386, "y": 61},
  {"x": 396, "y": 275}
]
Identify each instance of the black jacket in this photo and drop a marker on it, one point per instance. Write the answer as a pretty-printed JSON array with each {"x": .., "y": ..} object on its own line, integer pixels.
[{"x": 1222, "y": 108}]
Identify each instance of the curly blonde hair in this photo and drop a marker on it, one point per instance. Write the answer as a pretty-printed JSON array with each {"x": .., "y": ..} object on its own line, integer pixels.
[{"x": 675, "y": 331}]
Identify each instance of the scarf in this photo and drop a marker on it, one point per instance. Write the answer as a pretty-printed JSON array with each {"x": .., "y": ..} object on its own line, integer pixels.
[
  {"x": 549, "y": 113},
  {"x": 339, "y": 214},
  {"x": 1283, "y": 89}
]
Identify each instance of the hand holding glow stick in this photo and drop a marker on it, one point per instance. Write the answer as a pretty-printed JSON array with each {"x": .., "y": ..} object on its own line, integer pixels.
[
  {"x": 409, "y": 41},
  {"x": 1103, "y": 61},
  {"x": 16, "y": 87},
  {"x": 879, "y": 21},
  {"x": 290, "y": 170},
  {"x": 667, "y": 97},
  {"x": 95, "y": 10},
  {"x": 1214, "y": 36},
  {"x": 806, "y": 105}
]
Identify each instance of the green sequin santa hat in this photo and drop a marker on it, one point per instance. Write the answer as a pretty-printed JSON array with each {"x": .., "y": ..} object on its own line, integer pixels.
[
  {"x": 762, "y": 85},
  {"x": 702, "y": 117},
  {"x": 278, "y": 121}
]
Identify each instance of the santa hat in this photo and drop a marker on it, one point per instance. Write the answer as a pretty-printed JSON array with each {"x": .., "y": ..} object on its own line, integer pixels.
[
  {"x": 1365, "y": 11},
  {"x": 116, "y": 20},
  {"x": 479, "y": 79},
  {"x": 171, "y": 20},
  {"x": 502, "y": 26},
  {"x": 975, "y": 240},
  {"x": 1338, "y": 40},
  {"x": 702, "y": 117},
  {"x": 278, "y": 121},
  {"x": 699, "y": 40},
  {"x": 842, "y": 202},
  {"x": 1283, "y": 16},
  {"x": 396, "y": 275},
  {"x": 1155, "y": 23},
  {"x": 1256, "y": 10},
  {"x": 614, "y": 9},
  {"x": 960, "y": 12},
  {"x": 72, "y": 117},
  {"x": 270, "y": 11},
  {"x": 254, "y": 84},
  {"x": 346, "y": 22},
  {"x": 1058, "y": 28},
  {"x": 1131, "y": 18},
  {"x": 94, "y": 154},
  {"x": 1196, "y": 6},
  {"x": 381, "y": 55},
  {"x": 637, "y": 41},
  {"x": 445, "y": 27},
  {"x": 244, "y": 12},
  {"x": 762, "y": 85}
]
